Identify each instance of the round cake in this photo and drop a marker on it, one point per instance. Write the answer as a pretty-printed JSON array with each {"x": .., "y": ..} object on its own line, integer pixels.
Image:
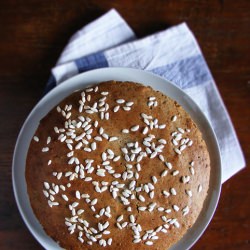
[{"x": 117, "y": 165}]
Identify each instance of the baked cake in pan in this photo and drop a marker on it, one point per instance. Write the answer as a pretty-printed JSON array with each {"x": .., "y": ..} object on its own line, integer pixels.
[{"x": 117, "y": 165}]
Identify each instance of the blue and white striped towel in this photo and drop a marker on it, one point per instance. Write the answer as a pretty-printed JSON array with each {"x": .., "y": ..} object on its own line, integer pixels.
[{"x": 173, "y": 54}]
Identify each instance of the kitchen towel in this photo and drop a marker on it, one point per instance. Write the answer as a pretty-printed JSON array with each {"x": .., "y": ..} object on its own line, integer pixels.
[{"x": 172, "y": 53}]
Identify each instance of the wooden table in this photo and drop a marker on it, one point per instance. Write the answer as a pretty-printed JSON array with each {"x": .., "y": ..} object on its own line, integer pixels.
[{"x": 33, "y": 33}]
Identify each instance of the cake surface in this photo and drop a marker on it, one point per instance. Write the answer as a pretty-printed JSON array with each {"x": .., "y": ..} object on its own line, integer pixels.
[{"x": 117, "y": 165}]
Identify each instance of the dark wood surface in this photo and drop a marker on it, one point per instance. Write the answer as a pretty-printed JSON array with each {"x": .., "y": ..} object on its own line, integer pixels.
[{"x": 33, "y": 33}]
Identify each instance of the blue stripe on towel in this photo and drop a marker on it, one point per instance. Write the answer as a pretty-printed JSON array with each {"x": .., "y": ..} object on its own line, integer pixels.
[
  {"x": 186, "y": 73},
  {"x": 94, "y": 61},
  {"x": 50, "y": 84}
]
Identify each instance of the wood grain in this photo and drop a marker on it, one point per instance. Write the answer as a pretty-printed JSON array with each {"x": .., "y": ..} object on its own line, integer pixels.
[{"x": 33, "y": 33}]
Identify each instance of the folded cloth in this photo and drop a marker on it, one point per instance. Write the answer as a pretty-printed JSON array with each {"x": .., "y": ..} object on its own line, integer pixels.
[{"x": 173, "y": 54}]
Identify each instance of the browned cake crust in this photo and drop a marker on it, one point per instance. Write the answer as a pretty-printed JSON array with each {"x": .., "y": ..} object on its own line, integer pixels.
[{"x": 118, "y": 165}]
